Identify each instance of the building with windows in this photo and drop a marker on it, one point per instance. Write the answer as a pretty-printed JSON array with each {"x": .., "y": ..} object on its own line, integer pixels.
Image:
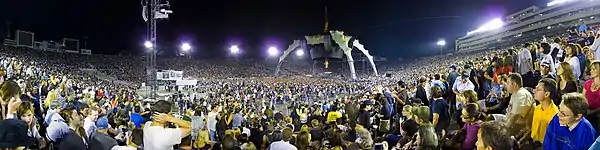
[{"x": 531, "y": 24}]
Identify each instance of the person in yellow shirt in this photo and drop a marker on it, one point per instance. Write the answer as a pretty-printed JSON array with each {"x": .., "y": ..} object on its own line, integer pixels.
[
  {"x": 544, "y": 93},
  {"x": 334, "y": 115}
]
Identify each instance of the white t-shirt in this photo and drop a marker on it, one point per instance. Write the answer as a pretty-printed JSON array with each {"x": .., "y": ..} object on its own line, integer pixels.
[
  {"x": 212, "y": 121},
  {"x": 523, "y": 60},
  {"x": 574, "y": 62},
  {"x": 89, "y": 126},
  {"x": 160, "y": 138}
]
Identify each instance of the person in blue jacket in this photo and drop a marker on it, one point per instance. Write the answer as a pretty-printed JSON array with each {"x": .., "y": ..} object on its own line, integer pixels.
[{"x": 569, "y": 130}]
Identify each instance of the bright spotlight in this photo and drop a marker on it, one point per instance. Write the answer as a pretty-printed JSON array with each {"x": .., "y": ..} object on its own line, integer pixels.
[
  {"x": 148, "y": 44},
  {"x": 273, "y": 51},
  {"x": 234, "y": 49},
  {"x": 491, "y": 25},
  {"x": 441, "y": 43},
  {"x": 299, "y": 52},
  {"x": 186, "y": 47}
]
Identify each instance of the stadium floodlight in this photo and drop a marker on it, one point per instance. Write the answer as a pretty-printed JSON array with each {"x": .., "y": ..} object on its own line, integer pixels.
[
  {"x": 441, "y": 43},
  {"x": 186, "y": 47},
  {"x": 148, "y": 44},
  {"x": 234, "y": 49},
  {"x": 556, "y": 2},
  {"x": 299, "y": 52},
  {"x": 273, "y": 51},
  {"x": 492, "y": 25}
]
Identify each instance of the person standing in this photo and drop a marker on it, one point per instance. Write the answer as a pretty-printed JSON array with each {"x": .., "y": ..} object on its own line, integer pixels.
[{"x": 157, "y": 136}]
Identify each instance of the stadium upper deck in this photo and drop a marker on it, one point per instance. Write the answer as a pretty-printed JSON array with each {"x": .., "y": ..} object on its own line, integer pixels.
[{"x": 533, "y": 22}]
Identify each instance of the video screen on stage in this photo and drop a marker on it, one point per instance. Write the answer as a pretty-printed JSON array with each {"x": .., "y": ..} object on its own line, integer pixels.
[
  {"x": 25, "y": 38},
  {"x": 71, "y": 44}
]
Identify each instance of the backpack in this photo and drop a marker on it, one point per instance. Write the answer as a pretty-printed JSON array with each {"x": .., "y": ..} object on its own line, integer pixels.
[{"x": 390, "y": 100}]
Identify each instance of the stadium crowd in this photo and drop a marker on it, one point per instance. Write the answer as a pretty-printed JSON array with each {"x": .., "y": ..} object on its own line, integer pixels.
[{"x": 539, "y": 95}]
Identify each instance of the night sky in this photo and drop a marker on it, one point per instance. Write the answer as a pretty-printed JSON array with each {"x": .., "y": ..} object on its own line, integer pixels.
[{"x": 390, "y": 28}]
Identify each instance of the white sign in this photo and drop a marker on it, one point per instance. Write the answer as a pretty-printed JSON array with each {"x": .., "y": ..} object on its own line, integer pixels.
[
  {"x": 186, "y": 82},
  {"x": 169, "y": 75}
]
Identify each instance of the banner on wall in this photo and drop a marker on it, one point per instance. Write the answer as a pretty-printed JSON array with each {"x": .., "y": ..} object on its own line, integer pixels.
[{"x": 169, "y": 75}]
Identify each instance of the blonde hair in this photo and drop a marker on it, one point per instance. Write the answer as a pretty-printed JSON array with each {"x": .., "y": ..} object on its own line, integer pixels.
[{"x": 567, "y": 71}]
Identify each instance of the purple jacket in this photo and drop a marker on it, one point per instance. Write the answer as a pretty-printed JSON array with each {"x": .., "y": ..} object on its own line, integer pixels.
[{"x": 471, "y": 136}]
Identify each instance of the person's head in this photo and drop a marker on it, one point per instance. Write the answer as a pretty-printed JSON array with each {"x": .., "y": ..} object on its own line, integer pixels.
[
  {"x": 407, "y": 111},
  {"x": 493, "y": 135},
  {"x": 248, "y": 146},
  {"x": 25, "y": 112},
  {"x": 102, "y": 124},
  {"x": 436, "y": 92},
  {"x": 545, "y": 67},
  {"x": 92, "y": 113},
  {"x": 471, "y": 113},
  {"x": 422, "y": 115},
  {"x": 464, "y": 76},
  {"x": 571, "y": 50},
  {"x": 565, "y": 71},
  {"x": 427, "y": 138},
  {"x": 9, "y": 90},
  {"x": 545, "y": 48},
  {"x": 363, "y": 133},
  {"x": 287, "y": 134},
  {"x": 303, "y": 140},
  {"x": 572, "y": 108},
  {"x": 228, "y": 142},
  {"x": 514, "y": 83},
  {"x": 546, "y": 90},
  {"x": 595, "y": 69},
  {"x": 468, "y": 96},
  {"x": 72, "y": 117}
]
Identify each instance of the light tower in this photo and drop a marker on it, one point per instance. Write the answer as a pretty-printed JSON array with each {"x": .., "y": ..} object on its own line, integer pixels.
[{"x": 152, "y": 11}]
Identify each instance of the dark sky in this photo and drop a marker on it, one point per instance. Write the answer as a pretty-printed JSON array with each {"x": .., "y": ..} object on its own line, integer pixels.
[{"x": 391, "y": 28}]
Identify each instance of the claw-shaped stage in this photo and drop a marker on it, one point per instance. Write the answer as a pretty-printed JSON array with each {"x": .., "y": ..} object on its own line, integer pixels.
[{"x": 341, "y": 40}]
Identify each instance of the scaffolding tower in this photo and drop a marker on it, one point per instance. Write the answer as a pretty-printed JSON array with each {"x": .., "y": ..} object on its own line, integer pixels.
[{"x": 152, "y": 11}]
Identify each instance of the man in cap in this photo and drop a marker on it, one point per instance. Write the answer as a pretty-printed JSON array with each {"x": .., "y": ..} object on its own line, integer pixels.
[
  {"x": 99, "y": 139},
  {"x": 545, "y": 71},
  {"x": 461, "y": 85}
]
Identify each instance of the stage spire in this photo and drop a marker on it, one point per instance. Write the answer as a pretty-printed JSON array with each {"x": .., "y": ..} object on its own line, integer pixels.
[{"x": 326, "y": 21}]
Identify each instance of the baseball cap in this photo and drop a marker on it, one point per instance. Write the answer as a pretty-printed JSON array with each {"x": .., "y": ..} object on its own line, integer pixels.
[
  {"x": 453, "y": 66},
  {"x": 465, "y": 74},
  {"x": 545, "y": 63},
  {"x": 102, "y": 123}
]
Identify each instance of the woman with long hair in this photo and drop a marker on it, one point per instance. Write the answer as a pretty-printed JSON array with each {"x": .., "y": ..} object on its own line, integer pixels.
[
  {"x": 591, "y": 90},
  {"x": 571, "y": 52},
  {"x": 567, "y": 82},
  {"x": 303, "y": 141},
  {"x": 467, "y": 136},
  {"x": 10, "y": 93}
]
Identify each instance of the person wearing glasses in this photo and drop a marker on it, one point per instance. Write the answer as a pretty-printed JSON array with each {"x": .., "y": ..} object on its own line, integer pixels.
[
  {"x": 569, "y": 130},
  {"x": 545, "y": 93}
]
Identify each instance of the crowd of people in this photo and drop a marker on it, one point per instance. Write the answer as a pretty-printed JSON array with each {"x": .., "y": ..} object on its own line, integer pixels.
[{"x": 537, "y": 95}]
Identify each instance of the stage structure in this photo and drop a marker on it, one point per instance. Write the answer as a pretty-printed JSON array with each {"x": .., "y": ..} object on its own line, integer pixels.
[
  {"x": 329, "y": 45},
  {"x": 329, "y": 50},
  {"x": 152, "y": 11}
]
